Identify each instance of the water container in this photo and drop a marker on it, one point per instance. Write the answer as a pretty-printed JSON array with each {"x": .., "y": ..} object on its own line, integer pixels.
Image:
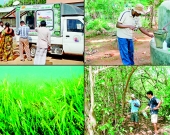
[
  {"x": 165, "y": 46},
  {"x": 153, "y": 41},
  {"x": 160, "y": 37}
]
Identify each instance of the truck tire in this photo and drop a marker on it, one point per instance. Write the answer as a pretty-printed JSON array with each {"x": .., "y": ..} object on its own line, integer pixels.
[{"x": 32, "y": 51}]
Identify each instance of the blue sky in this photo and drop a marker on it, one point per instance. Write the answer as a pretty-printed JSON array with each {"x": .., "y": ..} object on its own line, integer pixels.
[{"x": 2, "y": 2}]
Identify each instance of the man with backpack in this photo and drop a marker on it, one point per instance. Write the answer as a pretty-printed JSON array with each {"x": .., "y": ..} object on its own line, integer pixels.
[
  {"x": 134, "y": 104},
  {"x": 154, "y": 105}
]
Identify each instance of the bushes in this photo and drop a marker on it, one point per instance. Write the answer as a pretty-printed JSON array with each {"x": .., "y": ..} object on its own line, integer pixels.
[{"x": 97, "y": 25}]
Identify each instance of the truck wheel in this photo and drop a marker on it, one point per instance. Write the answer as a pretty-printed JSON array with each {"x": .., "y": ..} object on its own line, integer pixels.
[{"x": 32, "y": 51}]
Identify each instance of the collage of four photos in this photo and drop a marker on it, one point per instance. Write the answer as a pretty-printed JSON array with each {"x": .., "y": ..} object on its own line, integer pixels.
[{"x": 84, "y": 67}]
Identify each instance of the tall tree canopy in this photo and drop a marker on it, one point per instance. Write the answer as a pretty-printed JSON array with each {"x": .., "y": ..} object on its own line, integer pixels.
[
  {"x": 108, "y": 88},
  {"x": 100, "y": 13}
]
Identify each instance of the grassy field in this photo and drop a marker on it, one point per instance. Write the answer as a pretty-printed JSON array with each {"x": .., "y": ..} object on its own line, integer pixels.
[{"x": 35, "y": 108}]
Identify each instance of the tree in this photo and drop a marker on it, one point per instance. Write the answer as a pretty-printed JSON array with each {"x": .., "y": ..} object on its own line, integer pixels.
[
  {"x": 108, "y": 88},
  {"x": 101, "y": 12},
  {"x": 25, "y": 2}
]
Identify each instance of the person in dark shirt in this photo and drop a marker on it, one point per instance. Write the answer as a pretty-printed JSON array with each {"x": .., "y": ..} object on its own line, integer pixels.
[{"x": 154, "y": 105}]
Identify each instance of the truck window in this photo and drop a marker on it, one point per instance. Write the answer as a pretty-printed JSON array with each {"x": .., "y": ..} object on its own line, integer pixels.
[
  {"x": 46, "y": 15},
  {"x": 74, "y": 25},
  {"x": 30, "y": 19}
]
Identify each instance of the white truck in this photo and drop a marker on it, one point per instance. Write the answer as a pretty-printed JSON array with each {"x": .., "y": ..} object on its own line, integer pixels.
[{"x": 66, "y": 23}]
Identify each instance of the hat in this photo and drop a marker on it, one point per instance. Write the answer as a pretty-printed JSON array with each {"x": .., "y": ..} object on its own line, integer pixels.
[
  {"x": 139, "y": 8},
  {"x": 133, "y": 96}
]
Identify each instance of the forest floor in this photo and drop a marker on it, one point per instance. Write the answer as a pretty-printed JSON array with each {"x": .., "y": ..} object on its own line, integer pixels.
[
  {"x": 146, "y": 127},
  {"x": 103, "y": 50}
]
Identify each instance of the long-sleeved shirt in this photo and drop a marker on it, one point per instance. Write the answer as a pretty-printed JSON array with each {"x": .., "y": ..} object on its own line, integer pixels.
[
  {"x": 44, "y": 37},
  {"x": 23, "y": 31}
]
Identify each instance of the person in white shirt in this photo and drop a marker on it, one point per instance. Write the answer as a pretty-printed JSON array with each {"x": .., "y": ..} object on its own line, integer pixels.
[
  {"x": 43, "y": 43},
  {"x": 1, "y": 26},
  {"x": 129, "y": 21}
]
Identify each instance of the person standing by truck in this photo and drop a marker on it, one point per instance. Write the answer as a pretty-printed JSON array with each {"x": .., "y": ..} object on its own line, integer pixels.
[
  {"x": 7, "y": 43},
  {"x": 1, "y": 26},
  {"x": 43, "y": 43},
  {"x": 23, "y": 41}
]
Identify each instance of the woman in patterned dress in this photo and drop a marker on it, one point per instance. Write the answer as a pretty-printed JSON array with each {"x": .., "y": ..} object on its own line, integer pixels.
[
  {"x": 1, "y": 29},
  {"x": 7, "y": 43},
  {"x": 1, "y": 47}
]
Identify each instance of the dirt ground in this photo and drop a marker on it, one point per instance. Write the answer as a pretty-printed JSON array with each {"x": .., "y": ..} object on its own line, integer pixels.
[
  {"x": 51, "y": 59},
  {"x": 103, "y": 50},
  {"x": 146, "y": 128}
]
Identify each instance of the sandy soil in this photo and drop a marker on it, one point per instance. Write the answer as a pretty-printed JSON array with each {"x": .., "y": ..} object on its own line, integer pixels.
[
  {"x": 51, "y": 60},
  {"x": 103, "y": 50}
]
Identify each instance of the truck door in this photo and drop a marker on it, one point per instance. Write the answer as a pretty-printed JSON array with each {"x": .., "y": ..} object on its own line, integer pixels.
[{"x": 73, "y": 35}]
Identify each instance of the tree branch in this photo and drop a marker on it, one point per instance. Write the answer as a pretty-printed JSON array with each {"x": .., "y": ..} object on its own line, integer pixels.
[
  {"x": 126, "y": 87},
  {"x": 104, "y": 68}
]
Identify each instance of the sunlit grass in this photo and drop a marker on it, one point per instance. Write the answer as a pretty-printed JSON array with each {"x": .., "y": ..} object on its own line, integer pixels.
[{"x": 37, "y": 108}]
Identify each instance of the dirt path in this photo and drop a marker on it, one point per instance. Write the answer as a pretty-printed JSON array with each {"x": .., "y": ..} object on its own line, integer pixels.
[
  {"x": 146, "y": 127},
  {"x": 51, "y": 60},
  {"x": 103, "y": 50}
]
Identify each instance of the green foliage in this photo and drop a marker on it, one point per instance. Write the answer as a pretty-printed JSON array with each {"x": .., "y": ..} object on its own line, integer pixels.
[
  {"x": 25, "y": 2},
  {"x": 113, "y": 87},
  {"x": 51, "y": 107},
  {"x": 105, "y": 11},
  {"x": 97, "y": 24},
  {"x": 110, "y": 10},
  {"x": 145, "y": 23}
]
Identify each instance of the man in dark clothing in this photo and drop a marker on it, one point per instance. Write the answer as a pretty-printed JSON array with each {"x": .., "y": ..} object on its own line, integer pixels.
[{"x": 154, "y": 105}]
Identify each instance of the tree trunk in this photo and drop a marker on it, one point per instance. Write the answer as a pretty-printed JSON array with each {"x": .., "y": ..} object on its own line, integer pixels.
[
  {"x": 114, "y": 105},
  {"x": 92, "y": 121},
  {"x": 125, "y": 89},
  {"x": 151, "y": 15}
]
